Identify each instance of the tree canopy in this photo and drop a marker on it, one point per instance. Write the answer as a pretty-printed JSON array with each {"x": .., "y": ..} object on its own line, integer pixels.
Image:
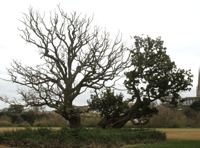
[
  {"x": 154, "y": 67},
  {"x": 16, "y": 109},
  {"x": 195, "y": 106},
  {"x": 71, "y": 50},
  {"x": 109, "y": 105}
]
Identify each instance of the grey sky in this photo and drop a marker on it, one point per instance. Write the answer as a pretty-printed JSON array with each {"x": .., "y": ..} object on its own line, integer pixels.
[{"x": 177, "y": 22}]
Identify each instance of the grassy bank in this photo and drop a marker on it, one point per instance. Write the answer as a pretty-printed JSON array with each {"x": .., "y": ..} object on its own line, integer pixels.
[
  {"x": 82, "y": 137},
  {"x": 95, "y": 137}
]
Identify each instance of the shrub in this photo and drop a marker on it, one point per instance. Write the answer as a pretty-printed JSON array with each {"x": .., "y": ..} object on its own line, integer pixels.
[
  {"x": 41, "y": 124},
  {"x": 20, "y": 120},
  {"x": 5, "y": 123},
  {"x": 42, "y": 116},
  {"x": 190, "y": 122},
  {"x": 195, "y": 105},
  {"x": 5, "y": 118},
  {"x": 41, "y": 119},
  {"x": 129, "y": 124},
  {"x": 190, "y": 113},
  {"x": 54, "y": 120},
  {"x": 57, "y": 122},
  {"x": 24, "y": 124},
  {"x": 29, "y": 116}
]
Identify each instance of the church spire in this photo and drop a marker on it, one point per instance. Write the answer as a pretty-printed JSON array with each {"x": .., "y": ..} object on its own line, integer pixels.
[{"x": 198, "y": 86}]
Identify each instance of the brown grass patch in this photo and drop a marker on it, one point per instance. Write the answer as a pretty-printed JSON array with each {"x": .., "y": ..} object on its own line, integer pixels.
[{"x": 182, "y": 134}]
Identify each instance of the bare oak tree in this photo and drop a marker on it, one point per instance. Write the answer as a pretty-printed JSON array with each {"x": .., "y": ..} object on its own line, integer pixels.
[{"x": 53, "y": 83}]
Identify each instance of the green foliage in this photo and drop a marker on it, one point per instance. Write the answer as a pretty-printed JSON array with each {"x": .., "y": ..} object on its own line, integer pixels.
[
  {"x": 29, "y": 116},
  {"x": 24, "y": 124},
  {"x": 12, "y": 117},
  {"x": 5, "y": 123},
  {"x": 80, "y": 137},
  {"x": 5, "y": 118},
  {"x": 155, "y": 67},
  {"x": 108, "y": 105},
  {"x": 42, "y": 115},
  {"x": 41, "y": 124},
  {"x": 195, "y": 105},
  {"x": 19, "y": 119},
  {"x": 190, "y": 113},
  {"x": 15, "y": 109}
]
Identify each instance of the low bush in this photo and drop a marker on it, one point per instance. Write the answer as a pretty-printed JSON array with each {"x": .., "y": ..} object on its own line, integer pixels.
[
  {"x": 23, "y": 124},
  {"x": 5, "y": 124},
  {"x": 41, "y": 124},
  {"x": 80, "y": 137},
  {"x": 5, "y": 118},
  {"x": 20, "y": 120}
]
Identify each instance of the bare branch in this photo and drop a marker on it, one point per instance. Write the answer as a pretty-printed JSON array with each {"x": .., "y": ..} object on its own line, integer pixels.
[{"x": 69, "y": 49}]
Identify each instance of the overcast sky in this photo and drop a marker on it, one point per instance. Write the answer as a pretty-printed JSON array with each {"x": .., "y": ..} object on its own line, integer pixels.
[{"x": 176, "y": 21}]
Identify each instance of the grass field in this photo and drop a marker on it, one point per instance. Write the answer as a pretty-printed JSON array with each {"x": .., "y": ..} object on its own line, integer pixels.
[{"x": 176, "y": 138}]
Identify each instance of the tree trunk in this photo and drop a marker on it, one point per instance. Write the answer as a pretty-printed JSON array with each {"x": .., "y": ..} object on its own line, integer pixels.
[
  {"x": 106, "y": 123},
  {"x": 74, "y": 121},
  {"x": 122, "y": 120},
  {"x": 113, "y": 122}
]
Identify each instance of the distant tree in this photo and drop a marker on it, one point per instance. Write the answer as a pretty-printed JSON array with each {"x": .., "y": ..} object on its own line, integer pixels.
[
  {"x": 152, "y": 66},
  {"x": 195, "y": 106},
  {"x": 19, "y": 119},
  {"x": 70, "y": 49},
  {"x": 42, "y": 115},
  {"x": 29, "y": 116},
  {"x": 16, "y": 109},
  {"x": 190, "y": 113},
  {"x": 5, "y": 118}
]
